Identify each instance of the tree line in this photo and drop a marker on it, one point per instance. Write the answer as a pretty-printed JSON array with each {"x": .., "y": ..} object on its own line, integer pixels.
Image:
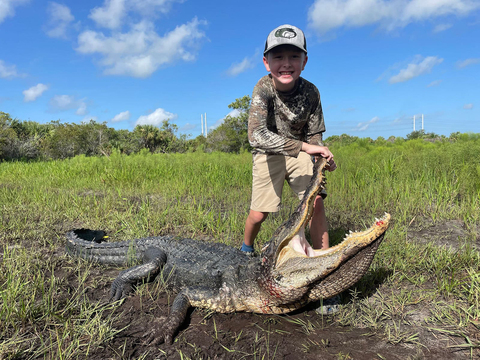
[{"x": 29, "y": 140}]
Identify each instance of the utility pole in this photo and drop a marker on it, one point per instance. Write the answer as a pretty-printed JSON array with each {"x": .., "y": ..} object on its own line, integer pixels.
[
  {"x": 205, "y": 124},
  {"x": 201, "y": 119},
  {"x": 413, "y": 122},
  {"x": 422, "y": 121}
]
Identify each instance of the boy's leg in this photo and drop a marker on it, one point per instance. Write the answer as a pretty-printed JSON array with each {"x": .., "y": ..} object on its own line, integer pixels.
[
  {"x": 319, "y": 226},
  {"x": 253, "y": 225},
  {"x": 268, "y": 175}
]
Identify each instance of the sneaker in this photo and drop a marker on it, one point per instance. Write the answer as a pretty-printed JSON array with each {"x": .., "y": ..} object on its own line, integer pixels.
[
  {"x": 328, "y": 306},
  {"x": 249, "y": 253}
]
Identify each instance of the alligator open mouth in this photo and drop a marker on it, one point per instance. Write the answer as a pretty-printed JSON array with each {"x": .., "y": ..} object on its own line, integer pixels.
[
  {"x": 289, "y": 242},
  {"x": 295, "y": 248}
]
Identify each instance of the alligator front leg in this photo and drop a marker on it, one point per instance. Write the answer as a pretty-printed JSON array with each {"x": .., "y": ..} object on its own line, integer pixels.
[{"x": 154, "y": 260}]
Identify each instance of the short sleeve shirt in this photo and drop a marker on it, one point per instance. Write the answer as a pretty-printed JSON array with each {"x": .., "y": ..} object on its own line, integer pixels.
[{"x": 279, "y": 122}]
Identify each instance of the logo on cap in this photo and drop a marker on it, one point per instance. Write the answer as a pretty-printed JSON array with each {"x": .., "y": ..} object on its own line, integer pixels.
[{"x": 287, "y": 33}]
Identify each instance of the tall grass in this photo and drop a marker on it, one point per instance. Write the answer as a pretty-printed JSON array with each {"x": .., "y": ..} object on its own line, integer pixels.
[{"x": 408, "y": 178}]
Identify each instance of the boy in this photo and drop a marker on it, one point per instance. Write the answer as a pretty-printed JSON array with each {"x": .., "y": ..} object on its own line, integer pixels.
[{"x": 285, "y": 129}]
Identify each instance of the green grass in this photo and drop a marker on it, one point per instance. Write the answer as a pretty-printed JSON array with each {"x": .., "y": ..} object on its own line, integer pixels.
[{"x": 207, "y": 196}]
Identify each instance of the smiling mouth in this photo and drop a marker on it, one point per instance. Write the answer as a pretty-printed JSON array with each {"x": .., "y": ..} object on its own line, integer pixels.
[{"x": 286, "y": 73}]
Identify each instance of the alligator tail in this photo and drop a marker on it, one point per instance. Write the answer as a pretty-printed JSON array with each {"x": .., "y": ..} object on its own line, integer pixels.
[{"x": 88, "y": 244}]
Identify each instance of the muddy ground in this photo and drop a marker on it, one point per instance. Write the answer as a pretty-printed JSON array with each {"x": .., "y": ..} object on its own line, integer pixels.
[{"x": 302, "y": 335}]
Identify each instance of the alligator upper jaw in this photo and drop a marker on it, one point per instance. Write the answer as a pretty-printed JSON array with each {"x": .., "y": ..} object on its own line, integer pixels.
[{"x": 325, "y": 261}]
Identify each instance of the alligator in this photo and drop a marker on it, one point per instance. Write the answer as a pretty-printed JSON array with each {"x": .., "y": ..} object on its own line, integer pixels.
[{"x": 223, "y": 279}]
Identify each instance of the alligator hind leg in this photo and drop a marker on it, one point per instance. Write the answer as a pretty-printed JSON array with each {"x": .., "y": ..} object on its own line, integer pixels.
[
  {"x": 178, "y": 313},
  {"x": 185, "y": 299},
  {"x": 154, "y": 260}
]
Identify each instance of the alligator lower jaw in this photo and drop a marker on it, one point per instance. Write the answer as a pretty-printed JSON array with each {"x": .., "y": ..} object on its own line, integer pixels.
[{"x": 351, "y": 244}]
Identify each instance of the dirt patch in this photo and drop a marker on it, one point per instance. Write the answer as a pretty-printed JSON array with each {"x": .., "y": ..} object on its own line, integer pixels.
[
  {"x": 304, "y": 335},
  {"x": 448, "y": 233},
  {"x": 301, "y": 335}
]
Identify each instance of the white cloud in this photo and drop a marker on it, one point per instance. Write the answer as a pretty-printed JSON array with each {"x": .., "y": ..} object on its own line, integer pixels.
[
  {"x": 110, "y": 15},
  {"x": 467, "y": 62},
  {"x": 419, "y": 67},
  {"x": 468, "y": 106},
  {"x": 141, "y": 51},
  {"x": 362, "y": 126},
  {"x": 434, "y": 83},
  {"x": 148, "y": 7},
  {"x": 240, "y": 67},
  {"x": 82, "y": 108},
  {"x": 62, "y": 102},
  {"x": 155, "y": 118},
  {"x": 7, "y": 8},
  {"x": 68, "y": 102},
  {"x": 441, "y": 27},
  {"x": 326, "y": 15},
  {"x": 60, "y": 18},
  {"x": 244, "y": 65},
  {"x": 233, "y": 113},
  {"x": 8, "y": 71},
  {"x": 125, "y": 115},
  {"x": 34, "y": 92},
  {"x": 113, "y": 13}
]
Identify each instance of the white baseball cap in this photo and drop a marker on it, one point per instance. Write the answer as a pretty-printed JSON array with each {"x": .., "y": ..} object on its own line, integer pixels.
[{"x": 286, "y": 35}]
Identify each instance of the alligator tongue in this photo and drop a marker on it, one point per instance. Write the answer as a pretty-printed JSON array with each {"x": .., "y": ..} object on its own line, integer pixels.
[{"x": 300, "y": 244}]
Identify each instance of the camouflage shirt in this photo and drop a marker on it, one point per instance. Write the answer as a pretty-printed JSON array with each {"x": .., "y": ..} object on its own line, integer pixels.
[{"x": 279, "y": 122}]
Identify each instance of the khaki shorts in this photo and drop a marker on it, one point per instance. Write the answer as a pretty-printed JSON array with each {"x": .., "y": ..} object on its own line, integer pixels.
[{"x": 269, "y": 174}]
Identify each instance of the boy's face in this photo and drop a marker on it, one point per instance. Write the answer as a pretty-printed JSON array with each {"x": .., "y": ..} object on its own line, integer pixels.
[{"x": 285, "y": 63}]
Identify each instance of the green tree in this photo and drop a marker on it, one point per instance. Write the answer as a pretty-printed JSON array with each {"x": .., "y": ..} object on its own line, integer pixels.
[
  {"x": 8, "y": 136},
  {"x": 232, "y": 135},
  {"x": 93, "y": 138},
  {"x": 418, "y": 134},
  {"x": 125, "y": 142},
  {"x": 161, "y": 139},
  {"x": 147, "y": 136}
]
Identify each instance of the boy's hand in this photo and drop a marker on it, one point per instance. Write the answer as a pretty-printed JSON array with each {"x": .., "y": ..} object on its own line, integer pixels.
[{"x": 317, "y": 150}]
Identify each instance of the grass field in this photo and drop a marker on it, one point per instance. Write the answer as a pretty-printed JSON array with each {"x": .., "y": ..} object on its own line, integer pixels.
[{"x": 424, "y": 282}]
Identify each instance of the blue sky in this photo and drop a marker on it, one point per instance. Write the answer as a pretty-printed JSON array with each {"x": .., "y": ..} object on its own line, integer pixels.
[{"x": 377, "y": 63}]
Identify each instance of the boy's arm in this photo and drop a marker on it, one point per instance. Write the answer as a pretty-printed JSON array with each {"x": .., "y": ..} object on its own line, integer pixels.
[
  {"x": 314, "y": 134},
  {"x": 316, "y": 124}
]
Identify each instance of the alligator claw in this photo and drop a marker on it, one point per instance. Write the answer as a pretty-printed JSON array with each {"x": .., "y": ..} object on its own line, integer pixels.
[
  {"x": 157, "y": 335},
  {"x": 120, "y": 289}
]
